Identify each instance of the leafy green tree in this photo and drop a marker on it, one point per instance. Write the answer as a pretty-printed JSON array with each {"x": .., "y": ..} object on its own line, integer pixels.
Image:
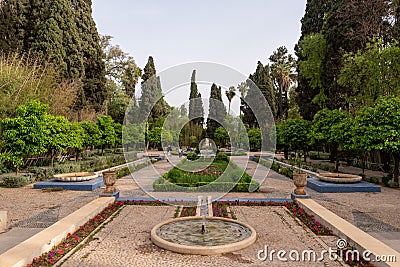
[
  {"x": 294, "y": 133},
  {"x": 118, "y": 105},
  {"x": 325, "y": 131},
  {"x": 27, "y": 133},
  {"x": 371, "y": 73},
  {"x": 58, "y": 138},
  {"x": 91, "y": 133},
  {"x": 107, "y": 131},
  {"x": 183, "y": 111},
  {"x": 254, "y": 135},
  {"x": 221, "y": 136},
  {"x": 120, "y": 67},
  {"x": 348, "y": 26},
  {"x": 154, "y": 137},
  {"x": 378, "y": 128}
]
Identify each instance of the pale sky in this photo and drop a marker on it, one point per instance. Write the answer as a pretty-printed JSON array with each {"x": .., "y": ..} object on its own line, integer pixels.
[{"x": 229, "y": 32}]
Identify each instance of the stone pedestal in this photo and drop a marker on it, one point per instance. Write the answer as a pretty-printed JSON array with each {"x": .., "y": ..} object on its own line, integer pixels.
[{"x": 3, "y": 221}]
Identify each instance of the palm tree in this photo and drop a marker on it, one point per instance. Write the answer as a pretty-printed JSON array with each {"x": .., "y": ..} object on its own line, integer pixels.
[{"x": 230, "y": 94}]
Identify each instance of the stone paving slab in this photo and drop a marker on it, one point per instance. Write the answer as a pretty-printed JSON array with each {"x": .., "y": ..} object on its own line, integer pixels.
[{"x": 126, "y": 241}]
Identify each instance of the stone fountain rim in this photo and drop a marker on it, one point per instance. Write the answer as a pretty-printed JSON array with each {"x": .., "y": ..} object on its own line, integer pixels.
[
  {"x": 75, "y": 176},
  {"x": 339, "y": 177},
  {"x": 202, "y": 250}
]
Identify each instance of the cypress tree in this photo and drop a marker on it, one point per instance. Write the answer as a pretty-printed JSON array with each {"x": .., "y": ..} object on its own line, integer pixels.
[
  {"x": 151, "y": 102},
  {"x": 196, "y": 103},
  {"x": 94, "y": 81},
  {"x": 217, "y": 111},
  {"x": 311, "y": 23}
]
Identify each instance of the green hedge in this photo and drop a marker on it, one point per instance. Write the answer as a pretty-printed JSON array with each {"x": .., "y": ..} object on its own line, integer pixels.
[
  {"x": 206, "y": 187},
  {"x": 17, "y": 180}
]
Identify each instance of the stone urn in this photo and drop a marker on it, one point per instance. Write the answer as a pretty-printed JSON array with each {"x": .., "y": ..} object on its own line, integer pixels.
[
  {"x": 300, "y": 181},
  {"x": 109, "y": 179}
]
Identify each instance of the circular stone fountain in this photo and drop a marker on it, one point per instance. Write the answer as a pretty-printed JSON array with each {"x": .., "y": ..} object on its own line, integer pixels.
[
  {"x": 75, "y": 176},
  {"x": 185, "y": 235},
  {"x": 339, "y": 178}
]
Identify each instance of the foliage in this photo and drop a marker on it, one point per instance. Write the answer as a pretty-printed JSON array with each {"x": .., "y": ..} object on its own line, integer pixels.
[
  {"x": 108, "y": 136},
  {"x": 254, "y": 135},
  {"x": 229, "y": 176},
  {"x": 91, "y": 134},
  {"x": 64, "y": 33},
  {"x": 192, "y": 156},
  {"x": 154, "y": 137},
  {"x": 371, "y": 73},
  {"x": 22, "y": 79},
  {"x": 17, "y": 180},
  {"x": 221, "y": 157},
  {"x": 152, "y": 104},
  {"x": 216, "y": 111},
  {"x": 196, "y": 110},
  {"x": 283, "y": 75},
  {"x": 378, "y": 128},
  {"x": 294, "y": 133},
  {"x": 258, "y": 85},
  {"x": 311, "y": 48},
  {"x": 221, "y": 136},
  {"x": 27, "y": 134},
  {"x": 121, "y": 68}
]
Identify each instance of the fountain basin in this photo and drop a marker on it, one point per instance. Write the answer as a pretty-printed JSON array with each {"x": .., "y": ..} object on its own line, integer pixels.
[
  {"x": 339, "y": 178},
  {"x": 183, "y": 235},
  {"x": 75, "y": 176}
]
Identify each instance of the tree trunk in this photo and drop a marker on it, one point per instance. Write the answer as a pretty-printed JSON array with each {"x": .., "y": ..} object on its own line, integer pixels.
[
  {"x": 396, "y": 157},
  {"x": 79, "y": 115},
  {"x": 305, "y": 154},
  {"x": 286, "y": 152},
  {"x": 52, "y": 157}
]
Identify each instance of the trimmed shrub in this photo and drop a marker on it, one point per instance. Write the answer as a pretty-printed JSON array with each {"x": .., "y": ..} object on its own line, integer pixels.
[
  {"x": 393, "y": 184},
  {"x": 123, "y": 172},
  {"x": 288, "y": 172},
  {"x": 192, "y": 156},
  {"x": 221, "y": 157},
  {"x": 17, "y": 180}
]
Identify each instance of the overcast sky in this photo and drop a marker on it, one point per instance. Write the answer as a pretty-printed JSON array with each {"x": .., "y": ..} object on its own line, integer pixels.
[{"x": 230, "y": 32}]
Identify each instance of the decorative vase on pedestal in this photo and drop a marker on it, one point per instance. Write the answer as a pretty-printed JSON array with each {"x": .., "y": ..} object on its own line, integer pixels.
[
  {"x": 300, "y": 181},
  {"x": 109, "y": 179}
]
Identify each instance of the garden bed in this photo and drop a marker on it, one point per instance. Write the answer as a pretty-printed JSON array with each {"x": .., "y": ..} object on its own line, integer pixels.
[{"x": 206, "y": 175}]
